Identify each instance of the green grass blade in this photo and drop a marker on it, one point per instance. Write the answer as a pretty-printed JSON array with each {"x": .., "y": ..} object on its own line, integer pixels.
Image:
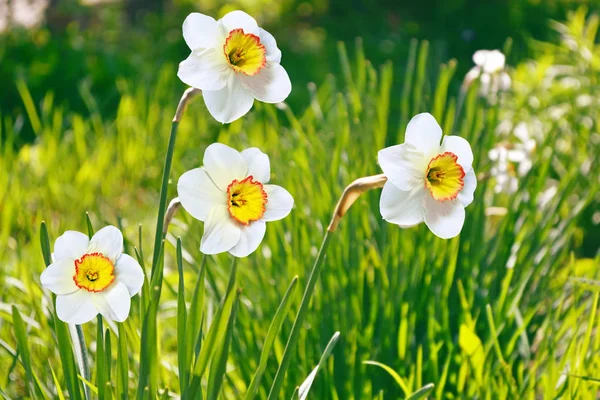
[
  {"x": 422, "y": 393},
  {"x": 219, "y": 362},
  {"x": 306, "y": 385},
  {"x": 182, "y": 350},
  {"x": 272, "y": 333},
  {"x": 122, "y": 365}
]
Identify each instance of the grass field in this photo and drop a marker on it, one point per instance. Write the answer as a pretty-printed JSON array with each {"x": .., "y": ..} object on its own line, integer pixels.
[{"x": 506, "y": 310}]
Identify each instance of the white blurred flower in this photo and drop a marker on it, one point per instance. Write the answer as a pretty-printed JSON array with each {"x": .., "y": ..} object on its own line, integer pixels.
[
  {"x": 490, "y": 70},
  {"x": 512, "y": 160},
  {"x": 428, "y": 182},
  {"x": 230, "y": 195},
  {"x": 91, "y": 276},
  {"x": 233, "y": 62}
]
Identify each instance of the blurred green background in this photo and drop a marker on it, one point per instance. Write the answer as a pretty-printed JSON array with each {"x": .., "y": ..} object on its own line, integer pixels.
[{"x": 92, "y": 46}]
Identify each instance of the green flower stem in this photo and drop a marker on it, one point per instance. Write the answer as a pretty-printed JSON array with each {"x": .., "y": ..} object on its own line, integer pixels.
[
  {"x": 159, "y": 236},
  {"x": 351, "y": 193},
  {"x": 84, "y": 361},
  {"x": 293, "y": 338}
]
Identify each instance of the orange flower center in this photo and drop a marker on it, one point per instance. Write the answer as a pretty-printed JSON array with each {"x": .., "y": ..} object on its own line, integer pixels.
[
  {"x": 244, "y": 52},
  {"x": 94, "y": 272},
  {"x": 444, "y": 176},
  {"x": 246, "y": 200}
]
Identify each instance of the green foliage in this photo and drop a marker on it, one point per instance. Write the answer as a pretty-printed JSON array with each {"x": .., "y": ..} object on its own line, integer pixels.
[{"x": 495, "y": 312}]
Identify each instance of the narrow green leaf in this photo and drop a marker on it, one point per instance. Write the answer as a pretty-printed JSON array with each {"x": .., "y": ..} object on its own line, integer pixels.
[
  {"x": 272, "y": 333},
  {"x": 107, "y": 365},
  {"x": 422, "y": 393},
  {"x": 218, "y": 364},
  {"x": 59, "y": 391},
  {"x": 90, "y": 227},
  {"x": 306, "y": 385},
  {"x": 122, "y": 365},
  {"x": 182, "y": 353},
  {"x": 100, "y": 377},
  {"x": 393, "y": 374}
]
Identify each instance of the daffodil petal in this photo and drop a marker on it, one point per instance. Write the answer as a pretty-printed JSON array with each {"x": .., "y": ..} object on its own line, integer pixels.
[
  {"x": 470, "y": 184},
  {"x": 224, "y": 164},
  {"x": 108, "y": 241},
  {"x": 273, "y": 52},
  {"x": 271, "y": 85},
  {"x": 230, "y": 103},
  {"x": 205, "y": 69},
  {"x": 404, "y": 165},
  {"x": 400, "y": 207},
  {"x": 198, "y": 193},
  {"x": 279, "y": 203},
  {"x": 129, "y": 272},
  {"x": 201, "y": 31},
  {"x": 250, "y": 239},
  {"x": 76, "y": 308},
  {"x": 258, "y": 163},
  {"x": 444, "y": 218},
  {"x": 424, "y": 133},
  {"x": 113, "y": 303},
  {"x": 71, "y": 245},
  {"x": 239, "y": 19},
  {"x": 58, "y": 277},
  {"x": 221, "y": 232},
  {"x": 461, "y": 148}
]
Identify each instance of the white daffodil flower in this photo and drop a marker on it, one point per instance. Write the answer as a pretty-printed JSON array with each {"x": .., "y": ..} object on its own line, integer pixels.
[
  {"x": 233, "y": 62},
  {"x": 91, "y": 276},
  {"x": 490, "y": 69},
  {"x": 231, "y": 196},
  {"x": 428, "y": 182}
]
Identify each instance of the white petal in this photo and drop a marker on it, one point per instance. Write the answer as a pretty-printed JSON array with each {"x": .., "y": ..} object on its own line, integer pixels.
[
  {"x": 71, "y": 245},
  {"x": 494, "y": 61},
  {"x": 108, "y": 241},
  {"x": 113, "y": 303},
  {"x": 251, "y": 237},
  {"x": 230, "y": 103},
  {"x": 271, "y": 85},
  {"x": 404, "y": 208},
  {"x": 76, "y": 308},
  {"x": 201, "y": 31},
  {"x": 198, "y": 193},
  {"x": 466, "y": 194},
  {"x": 461, "y": 148},
  {"x": 258, "y": 163},
  {"x": 424, "y": 133},
  {"x": 129, "y": 272},
  {"x": 58, "y": 277},
  {"x": 205, "y": 69},
  {"x": 239, "y": 19},
  {"x": 267, "y": 40},
  {"x": 224, "y": 164},
  {"x": 221, "y": 232},
  {"x": 480, "y": 56},
  {"x": 279, "y": 203},
  {"x": 444, "y": 218},
  {"x": 404, "y": 165}
]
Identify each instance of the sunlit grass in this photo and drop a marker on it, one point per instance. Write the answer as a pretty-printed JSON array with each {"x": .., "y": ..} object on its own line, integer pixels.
[{"x": 491, "y": 314}]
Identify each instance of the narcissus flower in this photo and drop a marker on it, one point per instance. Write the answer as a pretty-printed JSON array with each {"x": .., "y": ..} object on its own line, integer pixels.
[
  {"x": 231, "y": 196},
  {"x": 233, "y": 62},
  {"x": 92, "y": 276},
  {"x": 489, "y": 68},
  {"x": 428, "y": 181}
]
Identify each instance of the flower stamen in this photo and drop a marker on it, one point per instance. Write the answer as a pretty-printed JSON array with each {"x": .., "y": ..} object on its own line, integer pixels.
[
  {"x": 246, "y": 200},
  {"x": 444, "y": 177},
  {"x": 94, "y": 272},
  {"x": 244, "y": 52}
]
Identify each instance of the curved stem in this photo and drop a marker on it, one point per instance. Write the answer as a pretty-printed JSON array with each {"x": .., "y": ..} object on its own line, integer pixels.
[
  {"x": 351, "y": 193},
  {"x": 84, "y": 361},
  {"x": 159, "y": 235}
]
